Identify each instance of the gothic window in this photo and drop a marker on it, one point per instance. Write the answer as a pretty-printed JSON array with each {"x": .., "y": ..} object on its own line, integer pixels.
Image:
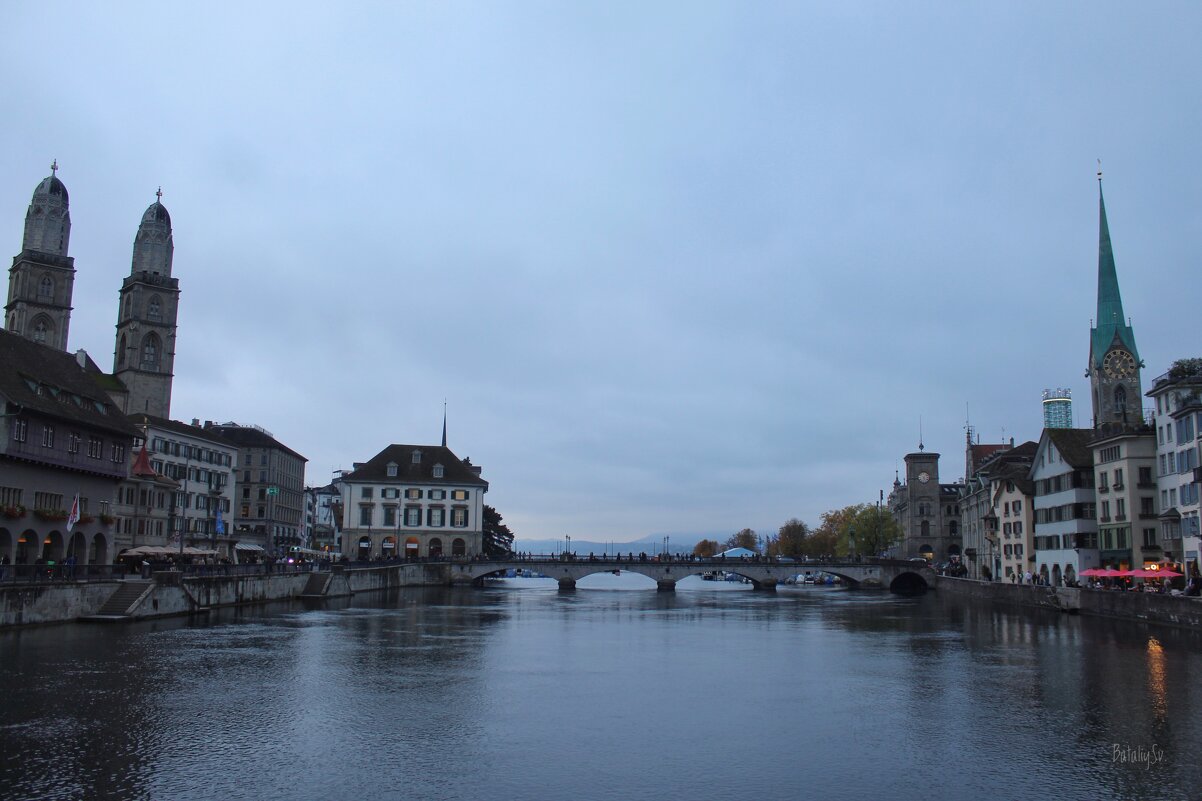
[
  {"x": 129, "y": 306},
  {"x": 41, "y": 330},
  {"x": 45, "y": 288},
  {"x": 150, "y": 352},
  {"x": 121, "y": 352},
  {"x": 1120, "y": 399},
  {"x": 154, "y": 311}
]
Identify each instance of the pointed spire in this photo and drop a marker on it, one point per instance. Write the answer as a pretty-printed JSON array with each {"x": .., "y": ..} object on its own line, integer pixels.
[
  {"x": 142, "y": 467},
  {"x": 1110, "y": 320},
  {"x": 444, "y": 424}
]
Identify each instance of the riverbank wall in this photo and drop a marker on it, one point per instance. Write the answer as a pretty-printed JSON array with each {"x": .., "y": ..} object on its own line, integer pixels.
[
  {"x": 173, "y": 594},
  {"x": 1173, "y": 610}
]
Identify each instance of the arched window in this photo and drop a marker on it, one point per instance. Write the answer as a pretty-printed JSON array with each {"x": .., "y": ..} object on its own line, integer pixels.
[
  {"x": 45, "y": 288},
  {"x": 154, "y": 311},
  {"x": 150, "y": 352},
  {"x": 41, "y": 330},
  {"x": 121, "y": 352},
  {"x": 1120, "y": 399},
  {"x": 926, "y": 528}
]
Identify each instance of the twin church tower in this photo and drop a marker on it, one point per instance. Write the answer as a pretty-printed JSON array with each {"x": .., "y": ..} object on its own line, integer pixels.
[{"x": 42, "y": 278}]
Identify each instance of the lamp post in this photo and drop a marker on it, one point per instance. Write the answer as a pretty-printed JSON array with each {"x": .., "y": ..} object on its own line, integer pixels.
[
  {"x": 851, "y": 542},
  {"x": 568, "y": 548}
]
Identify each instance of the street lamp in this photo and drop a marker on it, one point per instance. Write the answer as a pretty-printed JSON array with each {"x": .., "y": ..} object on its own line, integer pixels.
[{"x": 568, "y": 537}]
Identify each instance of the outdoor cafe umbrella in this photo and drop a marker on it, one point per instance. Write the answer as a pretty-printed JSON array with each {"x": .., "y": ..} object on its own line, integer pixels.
[
  {"x": 1104, "y": 572},
  {"x": 1155, "y": 573}
]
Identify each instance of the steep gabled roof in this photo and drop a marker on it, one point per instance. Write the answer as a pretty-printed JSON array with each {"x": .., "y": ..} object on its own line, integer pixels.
[
  {"x": 1073, "y": 444},
  {"x": 455, "y": 470},
  {"x": 53, "y": 384}
]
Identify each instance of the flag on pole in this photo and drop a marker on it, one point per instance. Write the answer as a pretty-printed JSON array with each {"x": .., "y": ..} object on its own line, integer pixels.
[{"x": 73, "y": 515}]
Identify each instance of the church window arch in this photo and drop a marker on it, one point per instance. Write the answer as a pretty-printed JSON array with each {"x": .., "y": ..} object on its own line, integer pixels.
[
  {"x": 46, "y": 288},
  {"x": 121, "y": 352},
  {"x": 42, "y": 329},
  {"x": 151, "y": 350},
  {"x": 154, "y": 309},
  {"x": 129, "y": 306},
  {"x": 1120, "y": 399}
]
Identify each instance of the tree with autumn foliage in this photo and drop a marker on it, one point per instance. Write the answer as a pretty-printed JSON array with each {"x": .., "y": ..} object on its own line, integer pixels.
[
  {"x": 874, "y": 529},
  {"x": 744, "y": 539},
  {"x": 706, "y": 548}
]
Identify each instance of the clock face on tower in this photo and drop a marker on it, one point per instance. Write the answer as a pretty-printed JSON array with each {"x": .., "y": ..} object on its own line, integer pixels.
[
  {"x": 1118, "y": 364},
  {"x": 924, "y": 476}
]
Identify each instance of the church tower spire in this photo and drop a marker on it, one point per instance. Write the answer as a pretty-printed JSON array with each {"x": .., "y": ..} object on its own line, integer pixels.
[
  {"x": 42, "y": 277},
  {"x": 144, "y": 358},
  {"x": 1114, "y": 361}
]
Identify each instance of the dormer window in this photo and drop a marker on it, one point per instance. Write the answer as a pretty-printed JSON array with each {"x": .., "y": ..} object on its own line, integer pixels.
[
  {"x": 392, "y": 469},
  {"x": 417, "y": 457},
  {"x": 438, "y": 471}
]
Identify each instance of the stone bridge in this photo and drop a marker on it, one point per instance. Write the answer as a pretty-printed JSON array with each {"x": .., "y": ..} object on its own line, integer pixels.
[{"x": 896, "y": 575}]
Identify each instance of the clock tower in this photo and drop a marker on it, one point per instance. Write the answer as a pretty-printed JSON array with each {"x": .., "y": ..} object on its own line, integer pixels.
[{"x": 1114, "y": 362}]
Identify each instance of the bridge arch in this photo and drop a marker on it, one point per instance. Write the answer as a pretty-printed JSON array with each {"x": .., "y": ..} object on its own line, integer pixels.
[{"x": 908, "y": 582}]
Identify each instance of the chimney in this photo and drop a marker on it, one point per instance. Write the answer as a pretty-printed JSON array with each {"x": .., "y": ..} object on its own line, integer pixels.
[{"x": 196, "y": 422}]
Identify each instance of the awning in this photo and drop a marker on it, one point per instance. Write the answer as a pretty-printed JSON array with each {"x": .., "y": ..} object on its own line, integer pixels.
[{"x": 248, "y": 546}]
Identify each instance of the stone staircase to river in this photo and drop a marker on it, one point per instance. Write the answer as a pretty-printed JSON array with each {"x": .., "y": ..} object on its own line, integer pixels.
[{"x": 122, "y": 602}]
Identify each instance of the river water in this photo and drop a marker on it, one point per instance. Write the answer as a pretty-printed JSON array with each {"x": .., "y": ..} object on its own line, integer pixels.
[{"x": 613, "y": 691}]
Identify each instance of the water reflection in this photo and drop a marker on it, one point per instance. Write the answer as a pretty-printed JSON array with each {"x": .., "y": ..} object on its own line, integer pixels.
[{"x": 597, "y": 694}]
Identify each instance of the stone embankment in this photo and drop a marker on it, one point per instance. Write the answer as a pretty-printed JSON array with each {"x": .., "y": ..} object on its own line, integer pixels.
[
  {"x": 1147, "y": 607},
  {"x": 172, "y": 593}
]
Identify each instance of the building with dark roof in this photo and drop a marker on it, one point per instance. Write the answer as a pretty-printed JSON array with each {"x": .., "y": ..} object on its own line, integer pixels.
[
  {"x": 63, "y": 436},
  {"x": 200, "y": 467},
  {"x": 269, "y": 485},
  {"x": 413, "y": 502},
  {"x": 1066, "y": 525},
  {"x": 1178, "y": 423}
]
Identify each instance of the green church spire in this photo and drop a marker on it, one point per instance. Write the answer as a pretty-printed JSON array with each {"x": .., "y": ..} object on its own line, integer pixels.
[{"x": 1110, "y": 321}]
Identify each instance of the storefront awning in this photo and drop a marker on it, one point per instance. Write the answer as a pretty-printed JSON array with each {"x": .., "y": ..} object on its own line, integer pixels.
[{"x": 248, "y": 546}]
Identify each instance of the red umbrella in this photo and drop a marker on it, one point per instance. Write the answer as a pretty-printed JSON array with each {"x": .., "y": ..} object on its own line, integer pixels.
[
  {"x": 1156, "y": 573},
  {"x": 1092, "y": 572}
]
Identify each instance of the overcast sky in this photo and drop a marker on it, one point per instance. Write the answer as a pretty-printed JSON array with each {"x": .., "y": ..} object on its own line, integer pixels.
[{"x": 674, "y": 267}]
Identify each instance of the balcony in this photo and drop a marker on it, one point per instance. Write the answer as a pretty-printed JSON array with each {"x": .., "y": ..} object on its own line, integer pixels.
[
  {"x": 1117, "y": 487},
  {"x": 1120, "y": 518},
  {"x": 1104, "y": 519},
  {"x": 1103, "y": 488}
]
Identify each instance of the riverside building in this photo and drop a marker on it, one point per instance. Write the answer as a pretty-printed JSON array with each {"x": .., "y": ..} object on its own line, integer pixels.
[{"x": 411, "y": 502}]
